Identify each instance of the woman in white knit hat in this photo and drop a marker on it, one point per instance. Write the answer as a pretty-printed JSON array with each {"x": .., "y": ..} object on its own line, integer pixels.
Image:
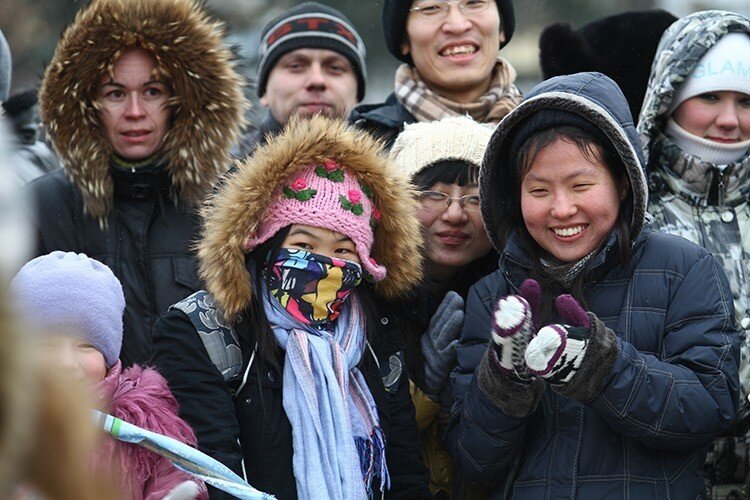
[
  {"x": 443, "y": 159},
  {"x": 695, "y": 127}
]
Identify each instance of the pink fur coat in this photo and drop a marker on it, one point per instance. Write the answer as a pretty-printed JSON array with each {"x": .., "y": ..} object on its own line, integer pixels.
[{"x": 140, "y": 396}]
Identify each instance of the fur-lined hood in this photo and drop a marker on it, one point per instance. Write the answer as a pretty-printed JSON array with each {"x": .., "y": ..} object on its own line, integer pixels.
[
  {"x": 238, "y": 206},
  {"x": 208, "y": 105}
]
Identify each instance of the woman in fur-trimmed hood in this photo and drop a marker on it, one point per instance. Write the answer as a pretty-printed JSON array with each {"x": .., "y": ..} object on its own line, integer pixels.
[
  {"x": 142, "y": 102},
  {"x": 300, "y": 246}
]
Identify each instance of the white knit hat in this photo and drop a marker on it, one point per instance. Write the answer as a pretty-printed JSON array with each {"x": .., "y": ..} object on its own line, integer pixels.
[
  {"x": 454, "y": 138},
  {"x": 725, "y": 67}
]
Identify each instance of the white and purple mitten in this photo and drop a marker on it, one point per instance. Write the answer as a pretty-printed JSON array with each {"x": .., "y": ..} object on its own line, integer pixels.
[
  {"x": 556, "y": 352},
  {"x": 512, "y": 327}
]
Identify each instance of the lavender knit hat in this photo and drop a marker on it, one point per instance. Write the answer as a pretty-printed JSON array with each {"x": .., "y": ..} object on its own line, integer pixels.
[
  {"x": 65, "y": 289},
  {"x": 328, "y": 196}
]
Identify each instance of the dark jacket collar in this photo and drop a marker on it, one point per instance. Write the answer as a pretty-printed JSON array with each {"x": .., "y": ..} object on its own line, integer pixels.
[
  {"x": 148, "y": 181},
  {"x": 517, "y": 264},
  {"x": 389, "y": 113}
]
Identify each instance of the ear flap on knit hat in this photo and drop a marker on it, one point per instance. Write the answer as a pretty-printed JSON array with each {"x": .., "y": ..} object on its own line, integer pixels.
[{"x": 621, "y": 46}]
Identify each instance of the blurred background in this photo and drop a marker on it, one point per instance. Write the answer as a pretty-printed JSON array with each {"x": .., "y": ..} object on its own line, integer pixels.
[{"x": 32, "y": 28}]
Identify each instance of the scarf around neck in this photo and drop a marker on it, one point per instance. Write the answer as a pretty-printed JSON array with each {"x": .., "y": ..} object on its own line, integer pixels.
[
  {"x": 426, "y": 105},
  {"x": 690, "y": 178},
  {"x": 565, "y": 273},
  {"x": 338, "y": 444}
]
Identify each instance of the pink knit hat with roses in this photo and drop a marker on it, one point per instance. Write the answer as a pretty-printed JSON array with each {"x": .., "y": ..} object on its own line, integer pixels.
[{"x": 326, "y": 196}]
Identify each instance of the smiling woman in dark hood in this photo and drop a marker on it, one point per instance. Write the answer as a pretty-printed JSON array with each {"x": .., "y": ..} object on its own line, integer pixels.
[{"x": 611, "y": 343}]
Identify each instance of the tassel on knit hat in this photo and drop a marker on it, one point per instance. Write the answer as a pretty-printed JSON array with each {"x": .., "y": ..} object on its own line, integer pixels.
[
  {"x": 74, "y": 292},
  {"x": 328, "y": 196}
]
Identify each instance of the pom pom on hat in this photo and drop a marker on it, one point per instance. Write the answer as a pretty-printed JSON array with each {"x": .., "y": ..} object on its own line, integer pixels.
[
  {"x": 725, "y": 67},
  {"x": 453, "y": 138},
  {"x": 75, "y": 292}
]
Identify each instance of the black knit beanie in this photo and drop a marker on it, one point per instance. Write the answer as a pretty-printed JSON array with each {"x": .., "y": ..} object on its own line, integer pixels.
[
  {"x": 311, "y": 26},
  {"x": 546, "y": 119},
  {"x": 394, "y": 17}
]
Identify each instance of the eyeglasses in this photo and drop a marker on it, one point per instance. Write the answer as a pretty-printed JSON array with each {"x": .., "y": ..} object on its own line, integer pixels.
[
  {"x": 435, "y": 200},
  {"x": 439, "y": 9}
]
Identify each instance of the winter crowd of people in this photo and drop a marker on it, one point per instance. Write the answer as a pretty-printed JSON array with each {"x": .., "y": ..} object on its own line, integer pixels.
[{"x": 461, "y": 292}]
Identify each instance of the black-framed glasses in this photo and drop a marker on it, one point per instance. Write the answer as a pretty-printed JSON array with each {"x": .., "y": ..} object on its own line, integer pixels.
[
  {"x": 439, "y": 9},
  {"x": 435, "y": 200}
]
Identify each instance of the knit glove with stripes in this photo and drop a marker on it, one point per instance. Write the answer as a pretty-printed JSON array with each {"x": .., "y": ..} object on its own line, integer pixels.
[
  {"x": 557, "y": 351},
  {"x": 512, "y": 328}
]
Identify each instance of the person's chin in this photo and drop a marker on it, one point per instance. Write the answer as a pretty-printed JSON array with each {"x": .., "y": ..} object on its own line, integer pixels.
[
  {"x": 136, "y": 154},
  {"x": 308, "y": 111}
]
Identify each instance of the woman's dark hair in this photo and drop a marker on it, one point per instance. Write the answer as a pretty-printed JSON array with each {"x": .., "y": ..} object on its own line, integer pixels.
[
  {"x": 606, "y": 155},
  {"x": 448, "y": 171},
  {"x": 260, "y": 262}
]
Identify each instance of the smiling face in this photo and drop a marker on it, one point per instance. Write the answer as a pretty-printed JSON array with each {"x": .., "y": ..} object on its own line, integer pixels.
[
  {"x": 569, "y": 200},
  {"x": 133, "y": 106},
  {"x": 308, "y": 81},
  {"x": 722, "y": 117},
  {"x": 455, "y": 55},
  {"x": 75, "y": 357},
  {"x": 454, "y": 236},
  {"x": 321, "y": 241}
]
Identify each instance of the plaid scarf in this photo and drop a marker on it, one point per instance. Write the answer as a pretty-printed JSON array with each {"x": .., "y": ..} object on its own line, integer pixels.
[{"x": 426, "y": 106}]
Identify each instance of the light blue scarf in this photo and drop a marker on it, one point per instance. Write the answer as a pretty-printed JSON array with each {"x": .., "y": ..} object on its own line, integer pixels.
[{"x": 336, "y": 436}]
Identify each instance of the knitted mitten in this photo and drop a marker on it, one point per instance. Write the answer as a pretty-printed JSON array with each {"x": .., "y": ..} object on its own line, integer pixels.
[
  {"x": 512, "y": 327},
  {"x": 556, "y": 352}
]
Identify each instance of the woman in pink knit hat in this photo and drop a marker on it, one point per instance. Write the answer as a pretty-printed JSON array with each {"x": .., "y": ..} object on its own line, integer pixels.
[{"x": 279, "y": 362}]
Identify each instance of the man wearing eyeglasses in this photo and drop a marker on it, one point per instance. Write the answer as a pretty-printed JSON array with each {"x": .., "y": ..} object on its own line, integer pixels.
[{"x": 450, "y": 50}]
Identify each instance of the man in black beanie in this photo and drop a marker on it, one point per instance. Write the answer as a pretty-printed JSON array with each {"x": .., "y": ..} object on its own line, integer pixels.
[
  {"x": 450, "y": 50},
  {"x": 311, "y": 61}
]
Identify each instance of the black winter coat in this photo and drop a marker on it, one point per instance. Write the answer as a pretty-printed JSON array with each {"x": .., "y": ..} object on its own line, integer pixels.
[
  {"x": 257, "y": 137},
  {"x": 146, "y": 244},
  {"x": 256, "y": 417},
  {"x": 384, "y": 120}
]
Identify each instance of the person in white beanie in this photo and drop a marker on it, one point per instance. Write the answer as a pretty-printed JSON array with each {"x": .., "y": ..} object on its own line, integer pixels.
[
  {"x": 442, "y": 158},
  {"x": 695, "y": 128}
]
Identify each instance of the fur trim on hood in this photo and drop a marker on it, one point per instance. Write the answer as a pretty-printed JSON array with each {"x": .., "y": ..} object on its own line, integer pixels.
[
  {"x": 208, "y": 105},
  {"x": 238, "y": 206}
]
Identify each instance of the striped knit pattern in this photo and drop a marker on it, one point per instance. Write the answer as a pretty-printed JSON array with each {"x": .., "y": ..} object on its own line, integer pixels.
[{"x": 511, "y": 332}]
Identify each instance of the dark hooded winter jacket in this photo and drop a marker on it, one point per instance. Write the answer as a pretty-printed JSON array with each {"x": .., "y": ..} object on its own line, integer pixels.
[
  {"x": 140, "y": 221},
  {"x": 672, "y": 385},
  {"x": 146, "y": 244}
]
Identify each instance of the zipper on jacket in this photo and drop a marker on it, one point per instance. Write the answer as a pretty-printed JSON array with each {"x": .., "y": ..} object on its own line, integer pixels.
[{"x": 717, "y": 191}]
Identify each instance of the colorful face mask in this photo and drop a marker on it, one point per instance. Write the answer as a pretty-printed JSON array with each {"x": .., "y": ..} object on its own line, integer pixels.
[{"x": 312, "y": 287}]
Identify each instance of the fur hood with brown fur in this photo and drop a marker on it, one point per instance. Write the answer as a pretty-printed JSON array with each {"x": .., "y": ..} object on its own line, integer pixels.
[
  {"x": 208, "y": 105},
  {"x": 238, "y": 206}
]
